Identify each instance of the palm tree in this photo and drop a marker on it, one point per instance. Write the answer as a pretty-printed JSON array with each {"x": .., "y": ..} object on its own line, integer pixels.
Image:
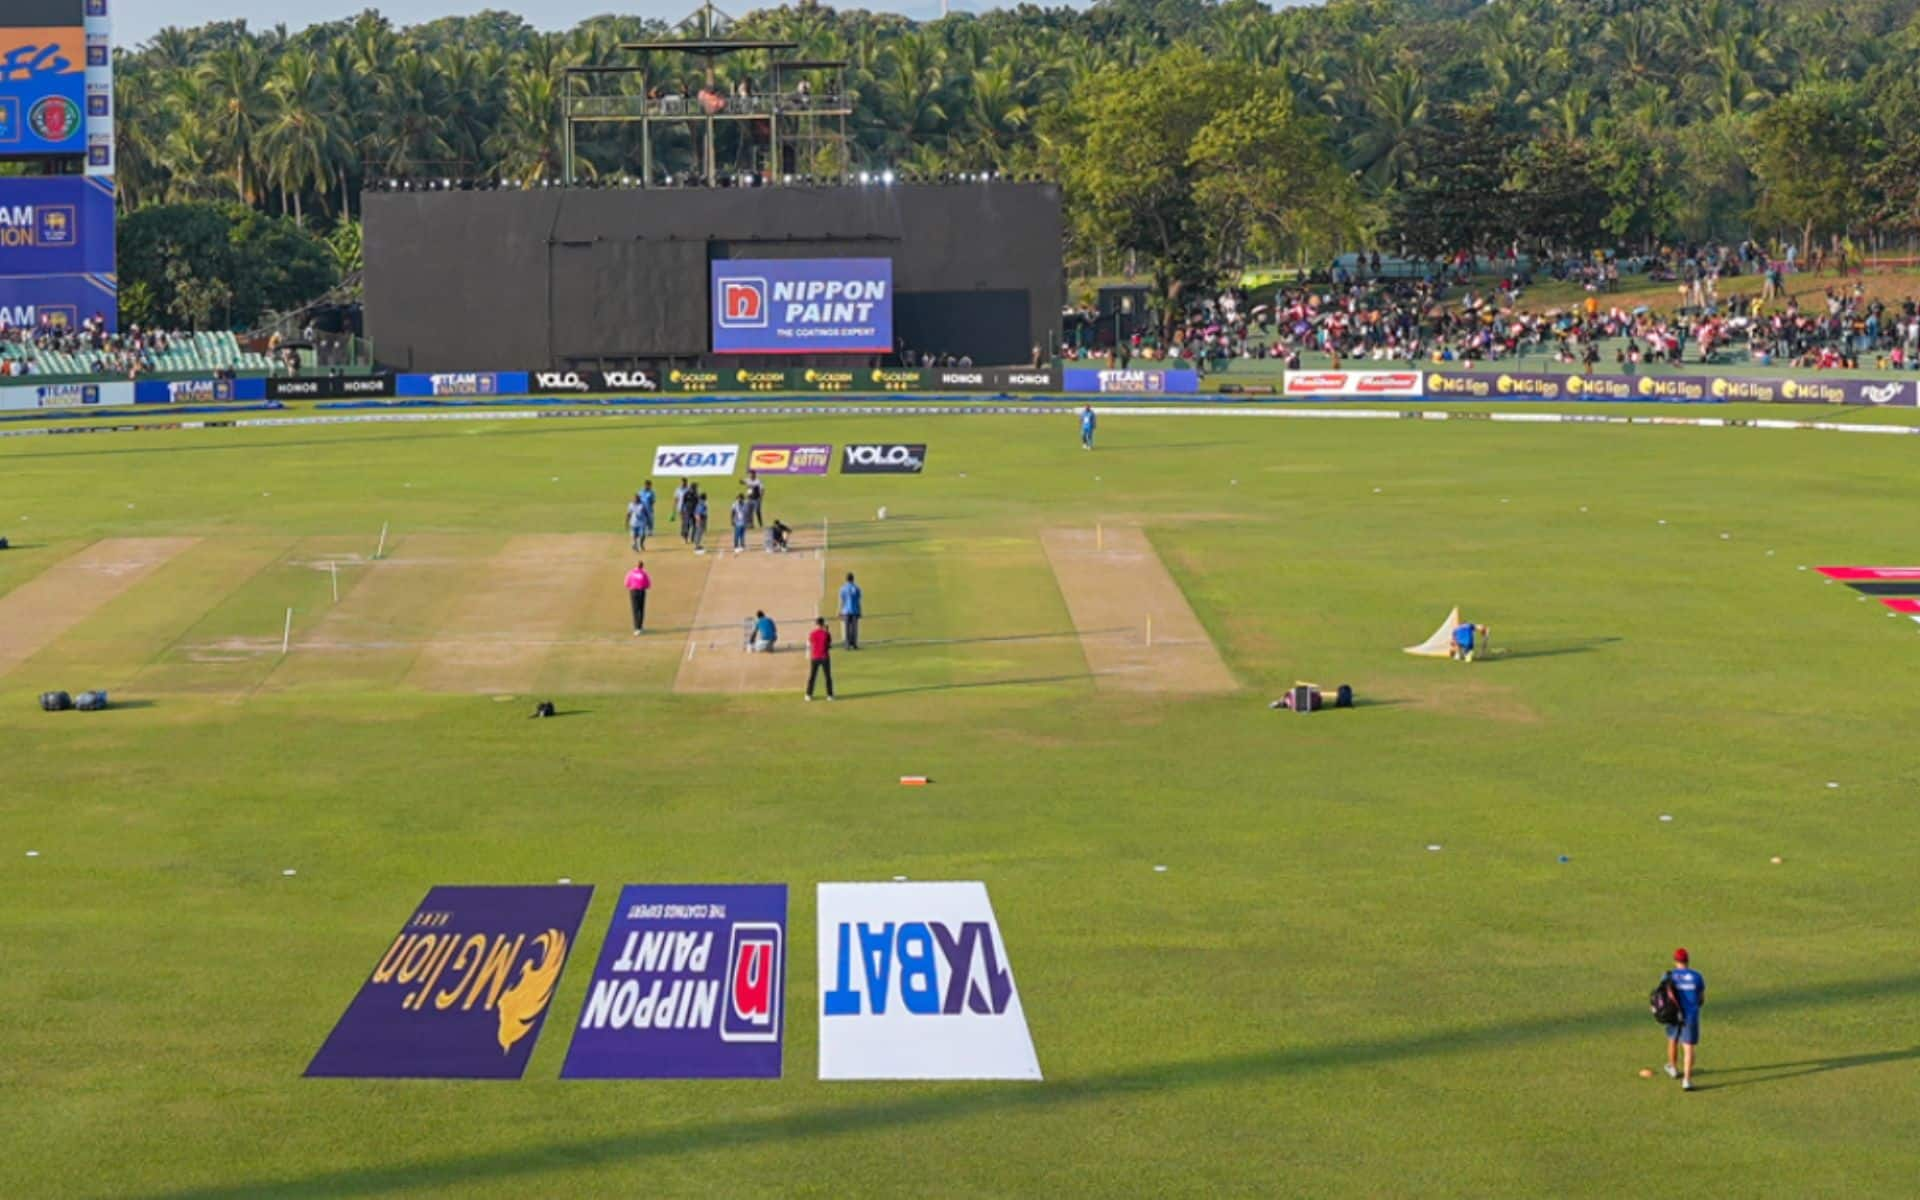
[
  {"x": 302, "y": 143},
  {"x": 1397, "y": 107},
  {"x": 233, "y": 83},
  {"x": 525, "y": 142}
]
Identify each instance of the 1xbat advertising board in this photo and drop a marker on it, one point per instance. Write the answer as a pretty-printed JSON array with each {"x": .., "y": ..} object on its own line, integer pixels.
[
  {"x": 42, "y": 84},
  {"x": 691, "y": 984},
  {"x": 695, "y": 460},
  {"x": 915, "y": 983},
  {"x": 56, "y": 225},
  {"x": 463, "y": 991},
  {"x": 802, "y": 306},
  {"x": 588, "y": 382},
  {"x": 790, "y": 460},
  {"x": 890, "y": 458}
]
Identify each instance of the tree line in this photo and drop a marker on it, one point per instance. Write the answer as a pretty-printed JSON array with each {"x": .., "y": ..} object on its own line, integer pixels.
[{"x": 1195, "y": 136}]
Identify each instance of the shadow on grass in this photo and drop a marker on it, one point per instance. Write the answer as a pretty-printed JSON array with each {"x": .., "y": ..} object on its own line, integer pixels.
[
  {"x": 964, "y": 1101},
  {"x": 954, "y": 687},
  {"x": 1794, "y": 1070},
  {"x": 1582, "y": 646}
]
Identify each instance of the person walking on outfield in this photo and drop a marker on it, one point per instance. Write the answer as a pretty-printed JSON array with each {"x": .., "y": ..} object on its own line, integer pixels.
[
  {"x": 690, "y": 515},
  {"x": 756, "y": 496},
  {"x": 700, "y": 523},
  {"x": 680, "y": 513},
  {"x": 638, "y": 581},
  {"x": 636, "y": 523},
  {"x": 647, "y": 501},
  {"x": 1086, "y": 427},
  {"x": 1691, "y": 990},
  {"x": 739, "y": 513},
  {"x": 819, "y": 656},
  {"x": 850, "y": 612}
]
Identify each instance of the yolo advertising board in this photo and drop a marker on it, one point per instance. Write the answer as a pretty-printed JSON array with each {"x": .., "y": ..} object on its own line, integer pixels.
[
  {"x": 802, "y": 306},
  {"x": 691, "y": 984},
  {"x": 43, "y": 82},
  {"x": 463, "y": 991},
  {"x": 915, "y": 984}
]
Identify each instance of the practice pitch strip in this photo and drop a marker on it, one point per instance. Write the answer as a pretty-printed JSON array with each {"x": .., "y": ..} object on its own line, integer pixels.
[{"x": 488, "y": 615}]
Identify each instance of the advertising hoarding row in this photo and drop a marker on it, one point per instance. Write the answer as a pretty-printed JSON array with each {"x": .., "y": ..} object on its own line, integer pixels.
[
  {"x": 1543, "y": 385},
  {"x": 691, "y": 983},
  {"x": 890, "y": 458}
]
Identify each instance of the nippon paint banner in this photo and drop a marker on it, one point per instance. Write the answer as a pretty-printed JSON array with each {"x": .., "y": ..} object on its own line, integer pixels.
[
  {"x": 915, "y": 984},
  {"x": 56, "y": 225},
  {"x": 695, "y": 460},
  {"x": 691, "y": 984},
  {"x": 463, "y": 990},
  {"x": 802, "y": 306},
  {"x": 1352, "y": 384}
]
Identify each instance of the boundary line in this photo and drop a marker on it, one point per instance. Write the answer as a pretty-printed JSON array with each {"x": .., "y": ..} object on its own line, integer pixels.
[{"x": 925, "y": 410}]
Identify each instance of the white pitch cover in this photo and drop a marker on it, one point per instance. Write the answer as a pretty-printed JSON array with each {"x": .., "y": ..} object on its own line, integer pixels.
[{"x": 915, "y": 984}]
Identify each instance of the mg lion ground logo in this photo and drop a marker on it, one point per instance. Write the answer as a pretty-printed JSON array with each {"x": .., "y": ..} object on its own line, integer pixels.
[
  {"x": 743, "y": 303},
  {"x": 462, "y": 992},
  {"x": 689, "y": 985}
]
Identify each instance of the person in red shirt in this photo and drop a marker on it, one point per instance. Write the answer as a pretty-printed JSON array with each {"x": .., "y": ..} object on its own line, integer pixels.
[
  {"x": 638, "y": 581},
  {"x": 819, "y": 663}
]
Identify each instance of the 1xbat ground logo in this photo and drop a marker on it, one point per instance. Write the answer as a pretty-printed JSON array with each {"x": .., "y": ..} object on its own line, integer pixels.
[{"x": 933, "y": 968}]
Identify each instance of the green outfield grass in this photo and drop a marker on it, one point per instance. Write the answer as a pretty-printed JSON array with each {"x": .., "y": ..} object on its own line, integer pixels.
[{"x": 1307, "y": 1001}]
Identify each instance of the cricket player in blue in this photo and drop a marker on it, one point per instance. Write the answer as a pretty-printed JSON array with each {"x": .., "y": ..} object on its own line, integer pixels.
[
  {"x": 1682, "y": 1038},
  {"x": 1464, "y": 635},
  {"x": 850, "y": 612},
  {"x": 1086, "y": 427}
]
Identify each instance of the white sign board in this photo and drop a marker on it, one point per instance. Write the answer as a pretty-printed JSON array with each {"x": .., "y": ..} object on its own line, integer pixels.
[
  {"x": 915, "y": 983},
  {"x": 695, "y": 460}
]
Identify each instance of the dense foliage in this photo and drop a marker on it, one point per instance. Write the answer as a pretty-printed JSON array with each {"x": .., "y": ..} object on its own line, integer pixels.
[{"x": 1436, "y": 125}]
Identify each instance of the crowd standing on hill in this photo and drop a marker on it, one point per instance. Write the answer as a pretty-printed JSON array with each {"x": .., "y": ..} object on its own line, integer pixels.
[{"x": 1365, "y": 311}]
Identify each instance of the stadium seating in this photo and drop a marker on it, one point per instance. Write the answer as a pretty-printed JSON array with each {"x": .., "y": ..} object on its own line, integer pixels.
[{"x": 186, "y": 354}]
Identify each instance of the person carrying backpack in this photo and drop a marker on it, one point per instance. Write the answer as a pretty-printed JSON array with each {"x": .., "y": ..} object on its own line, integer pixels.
[{"x": 1676, "y": 1002}]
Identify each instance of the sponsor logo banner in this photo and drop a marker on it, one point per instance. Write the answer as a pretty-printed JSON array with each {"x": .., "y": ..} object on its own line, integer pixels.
[
  {"x": 1027, "y": 379},
  {"x": 1503, "y": 386},
  {"x": 896, "y": 379},
  {"x": 1691, "y": 389},
  {"x": 695, "y": 460},
  {"x": 593, "y": 381},
  {"x": 1130, "y": 383},
  {"x": 691, "y": 984},
  {"x": 467, "y": 383},
  {"x": 199, "y": 391},
  {"x": 803, "y": 306},
  {"x": 463, "y": 991},
  {"x": 963, "y": 379},
  {"x": 761, "y": 381},
  {"x": 66, "y": 395},
  {"x": 56, "y": 225},
  {"x": 329, "y": 387},
  {"x": 826, "y": 380},
  {"x": 915, "y": 983},
  {"x": 42, "y": 89},
  {"x": 693, "y": 381},
  {"x": 790, "y": 460},
  {"x": 888, "y": 459},
  {"x": 1352, "y": 383}
]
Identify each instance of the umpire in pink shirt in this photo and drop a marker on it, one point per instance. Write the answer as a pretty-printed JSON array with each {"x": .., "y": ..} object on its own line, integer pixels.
[{"x": 638, "y": 581}]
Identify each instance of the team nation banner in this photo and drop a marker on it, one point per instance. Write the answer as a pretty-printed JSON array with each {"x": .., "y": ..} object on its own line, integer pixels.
[
  {"x": 463, "y": 991},
  {"x": 691, "y": 984}
]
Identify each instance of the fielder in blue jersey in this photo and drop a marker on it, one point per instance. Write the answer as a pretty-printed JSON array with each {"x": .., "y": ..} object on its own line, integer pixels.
[
  {"x": 1682, "y": 1038},
  {"x": 1086, "y": 427}
]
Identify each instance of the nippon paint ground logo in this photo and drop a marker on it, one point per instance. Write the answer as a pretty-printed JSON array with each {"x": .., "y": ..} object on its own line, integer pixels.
[
  {"x": 690, "y": 985},
  {"x": 743, "y": 303},
  {"x": 915, "y": 984}
]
